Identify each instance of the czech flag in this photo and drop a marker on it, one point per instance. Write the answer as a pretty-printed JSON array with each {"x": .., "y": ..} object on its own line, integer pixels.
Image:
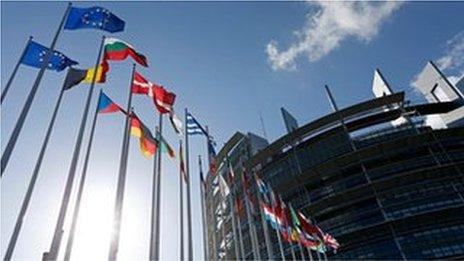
[{"x": 106, "y": 105}]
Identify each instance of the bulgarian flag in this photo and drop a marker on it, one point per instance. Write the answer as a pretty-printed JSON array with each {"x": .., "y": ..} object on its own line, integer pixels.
[{"x": 117, "y": 50}]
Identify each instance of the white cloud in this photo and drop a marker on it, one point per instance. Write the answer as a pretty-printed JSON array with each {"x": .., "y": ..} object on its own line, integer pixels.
[
  {"x": 451, "y": 62},
  {"x": 453, "y": 58},
  {"x": 328, "y": 27}
]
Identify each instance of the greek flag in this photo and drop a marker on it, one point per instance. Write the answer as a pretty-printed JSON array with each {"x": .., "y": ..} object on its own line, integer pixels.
[{"x": 193, "y": 127}]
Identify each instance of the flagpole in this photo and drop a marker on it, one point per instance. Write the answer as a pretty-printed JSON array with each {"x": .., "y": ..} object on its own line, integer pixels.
[
  {"x": 154, "y": 210},
  {"x": 309, "y": 254},
  {"x": 270, "y": 252},
  {"x": 251, "y": 225},
  {"x": 216, "y": 252},
  {"x": 213, "y": 219},
  {"x": 13, "y": 74},
  {"x": 158, "y": 192},
  {"x": 231, "y": 212},
  {"x": 240, "y": 235},
  {"x": 35, "y": 174},
  {"x": 279, "y": 238},
  {"x": 25, "y": 110},
  {"x": 203, "y": 215},
  {"x": 57, "y": 236},
  {"x": 364, "y": 170},
  {"x": 80, "y": 191},
  {"x": 114, "y": 244},
  {"x": 189, "y": 211},
  {"x": 181, "y": 207}
]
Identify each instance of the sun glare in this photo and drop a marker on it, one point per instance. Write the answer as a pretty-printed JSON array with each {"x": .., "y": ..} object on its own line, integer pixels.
[{"x": 94, "y": 228}]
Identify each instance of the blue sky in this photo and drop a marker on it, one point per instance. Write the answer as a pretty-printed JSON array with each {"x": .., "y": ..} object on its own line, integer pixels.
[{"x": 215, "y": 56}]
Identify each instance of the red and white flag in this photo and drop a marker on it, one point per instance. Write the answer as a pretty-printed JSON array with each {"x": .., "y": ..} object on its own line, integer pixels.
[{"x": 163, "y": 99}]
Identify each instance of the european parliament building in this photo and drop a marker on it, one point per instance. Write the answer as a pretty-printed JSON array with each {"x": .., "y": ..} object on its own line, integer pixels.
[{"x": 376, "y": 175}]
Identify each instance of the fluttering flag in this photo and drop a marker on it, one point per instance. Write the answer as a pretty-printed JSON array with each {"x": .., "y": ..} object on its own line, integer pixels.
[
  {"x": 224, "y": 188},
  {"x": 148, "y": 144},
  {"x": 95, "y": 17},
  {"x": 164, "y": 100},
  {"x": 231, "y": 175},
  {"x": 77, "y": 76},
  {"x": 331, "y": 242},
  {"x": 182, "y": 164},
  {"x": 106, "y": 105},
  {"x": 35, "y": 57},
  {"x": 309, "y": 228},
  {"x": 271, "y": 216},
  {"x": 193, "y": 127},
  {"x": 140, "y": 85},
  {"x": 175, "y": 122},
  {"x": 212, "y": 158},
  {"x": 117, "y": 50},
  {"x": 164, "y": 146},
  {"x": 262, "y": 187}
]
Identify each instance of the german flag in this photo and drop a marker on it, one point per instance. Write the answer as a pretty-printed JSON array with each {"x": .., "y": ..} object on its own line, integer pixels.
[{"x": 148, "y": 144}]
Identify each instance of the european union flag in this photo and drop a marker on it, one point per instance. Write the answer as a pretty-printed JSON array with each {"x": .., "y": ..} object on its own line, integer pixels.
[
  {"x": 94, "y": 17},
  {"x": 35, "y": 56}
]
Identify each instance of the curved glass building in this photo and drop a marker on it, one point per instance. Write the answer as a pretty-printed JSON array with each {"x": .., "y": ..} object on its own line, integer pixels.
[{"x": 383, "y": 190}]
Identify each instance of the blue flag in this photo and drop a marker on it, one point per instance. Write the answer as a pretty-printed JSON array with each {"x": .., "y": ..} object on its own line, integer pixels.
[
  {"x": 35, "y": 56},
  {"x": 93, "y": 17},
  {"x": 193, "y": 127}
]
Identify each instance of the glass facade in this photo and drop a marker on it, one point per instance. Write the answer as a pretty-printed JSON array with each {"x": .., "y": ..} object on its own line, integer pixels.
[{"x": 390, "y": 193}]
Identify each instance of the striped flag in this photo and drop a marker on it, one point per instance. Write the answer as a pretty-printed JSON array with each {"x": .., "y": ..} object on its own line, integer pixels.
[
  {"x": 148, "y": 144},
  {"x": 193, "y": 127}
]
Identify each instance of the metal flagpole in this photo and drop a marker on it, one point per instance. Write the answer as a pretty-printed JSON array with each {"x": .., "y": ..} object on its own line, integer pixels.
[
  {"x": 158, "y": 192},
  {"x": 52, "y": 254},
  {"x": 309, "y": 254},
  {"x": 153, "y": 205},
  {"x": 25, "y": 110},
  {"x": 114, "y": 245},
  {"x": 251, "y": 225},
  {"x": 189, "y": 211},
  {"x": 213, "y": 214},
  {"x": 293, "y": 251},
  {"x": 301, "y": 251},
  {"x": 13, "y": 74},
  {"x": 364, "y": 170},
  {"x": 35, "y": 174},
  {"x": 231, "y": 210},
  {"x": 240, "y": 235},
  {"x": 203, "y": 209},
  {"x": 181, "y": 205},
  {"x": 270, "y": 251},
  {"x": 69, "y": 244},
  {"x": 279, "y": 238}
]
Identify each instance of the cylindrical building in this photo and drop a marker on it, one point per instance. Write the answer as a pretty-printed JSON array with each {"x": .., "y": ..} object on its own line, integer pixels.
[{"x": 389, "y": 191}]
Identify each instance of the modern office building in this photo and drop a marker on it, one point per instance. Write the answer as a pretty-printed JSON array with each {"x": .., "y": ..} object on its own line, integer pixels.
[{"x": 384, "y": 191}]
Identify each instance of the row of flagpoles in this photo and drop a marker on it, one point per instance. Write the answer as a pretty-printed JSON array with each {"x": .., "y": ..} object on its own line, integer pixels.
[
  {"x": 111, "y": 49},
  {"x": 274, "y": 210}
]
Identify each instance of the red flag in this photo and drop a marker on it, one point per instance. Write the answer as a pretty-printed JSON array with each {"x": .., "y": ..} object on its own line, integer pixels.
[
  {"x": 140, "y": 85},
  {"x": 163, "y": 99},
  {"x": 309, "y": 228}
]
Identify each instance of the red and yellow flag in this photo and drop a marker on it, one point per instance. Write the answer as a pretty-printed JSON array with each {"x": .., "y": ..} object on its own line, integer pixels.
[{"x": 148, "y": 144}]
